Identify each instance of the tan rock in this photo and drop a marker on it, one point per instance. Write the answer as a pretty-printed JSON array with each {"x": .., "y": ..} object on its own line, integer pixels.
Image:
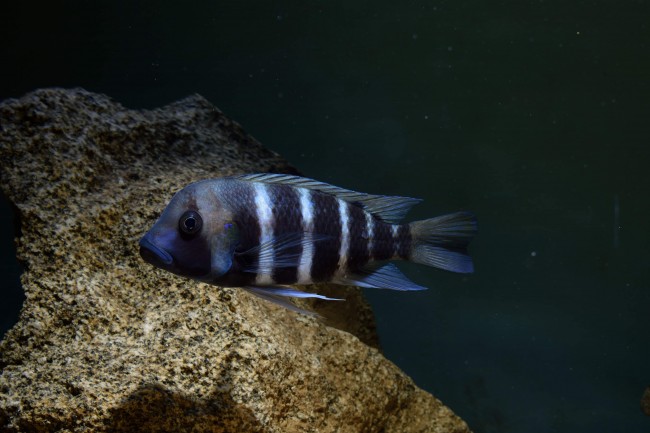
[{"x": 106, "y": 342}]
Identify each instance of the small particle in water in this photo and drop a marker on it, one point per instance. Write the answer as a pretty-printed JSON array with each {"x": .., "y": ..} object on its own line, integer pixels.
[
  {"x": 426, "y": 117},
  {"x": 533, "y": 253},
  {"x": 450, "y": 48},
  {"x": 414, "y": 36}
]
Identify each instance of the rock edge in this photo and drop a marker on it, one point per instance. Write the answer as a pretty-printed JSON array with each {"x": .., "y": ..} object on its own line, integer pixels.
[{"x": 107, "y": 343}]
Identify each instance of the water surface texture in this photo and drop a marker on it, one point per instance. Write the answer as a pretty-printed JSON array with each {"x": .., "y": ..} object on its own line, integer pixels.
[{"x": 534, "y": 115}]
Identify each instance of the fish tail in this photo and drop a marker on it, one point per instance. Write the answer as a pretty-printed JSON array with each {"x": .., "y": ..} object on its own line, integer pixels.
[{"x": 442, "y": 242}]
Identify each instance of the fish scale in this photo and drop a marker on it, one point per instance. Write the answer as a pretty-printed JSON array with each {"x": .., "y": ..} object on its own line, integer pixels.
[
  {"x": 287, "y": 218},
  {"x": 359, "y": 254},
  {"x": 327, "y": 223}
]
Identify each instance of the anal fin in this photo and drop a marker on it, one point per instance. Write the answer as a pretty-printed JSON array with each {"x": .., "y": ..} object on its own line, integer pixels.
[{"x": 385, "y": 277}]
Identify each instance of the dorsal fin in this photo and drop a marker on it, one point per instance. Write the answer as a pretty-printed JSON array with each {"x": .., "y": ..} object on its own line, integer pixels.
[{"x": 391, "y": 209}]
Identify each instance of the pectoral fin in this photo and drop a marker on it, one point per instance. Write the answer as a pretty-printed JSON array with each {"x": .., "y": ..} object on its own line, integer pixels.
[{"x": 283, "y": 251}]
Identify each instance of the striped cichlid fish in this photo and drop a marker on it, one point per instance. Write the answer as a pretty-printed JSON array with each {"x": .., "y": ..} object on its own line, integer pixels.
[{"x": 266, "y": 232}]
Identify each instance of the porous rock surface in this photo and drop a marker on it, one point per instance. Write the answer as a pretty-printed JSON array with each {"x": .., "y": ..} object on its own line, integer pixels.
[{"x": 106, "y": 342}]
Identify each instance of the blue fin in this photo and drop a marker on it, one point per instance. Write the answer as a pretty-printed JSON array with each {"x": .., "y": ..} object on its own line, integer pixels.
[
  {"x": 442, "y": 241},
  {"x": 280, "y": 252},
  {"x": 278, "y": 295},
  {"x": 391, "y": 209},
  {"x": 444, "y": 258},
  {"x": 288, "y": 292},
  {"x": 386, "y": 277}
]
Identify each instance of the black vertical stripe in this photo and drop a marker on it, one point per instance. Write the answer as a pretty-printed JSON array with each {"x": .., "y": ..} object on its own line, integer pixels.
[
  {"x": 358, "y": 254},
  {"x": 383, "y": 247},
  {"x": 287, "y": 221},
  {"x": 327, "y": 222},
  {"x": 241, "y": 199},
  {"x": 404, "y": 241}
]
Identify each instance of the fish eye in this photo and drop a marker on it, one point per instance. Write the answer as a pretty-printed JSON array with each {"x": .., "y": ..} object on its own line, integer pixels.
[{"x": 190, "y": 222}]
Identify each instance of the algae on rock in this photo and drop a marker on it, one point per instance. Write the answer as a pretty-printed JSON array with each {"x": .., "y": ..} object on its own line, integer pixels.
[{"x": 107, "y": 343}]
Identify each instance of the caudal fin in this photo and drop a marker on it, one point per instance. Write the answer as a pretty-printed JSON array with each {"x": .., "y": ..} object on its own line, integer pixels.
[{"x": 442, "y": 241}]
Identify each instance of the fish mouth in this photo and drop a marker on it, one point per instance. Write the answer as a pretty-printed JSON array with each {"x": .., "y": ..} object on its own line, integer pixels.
[{"x": 153, "y": 254}]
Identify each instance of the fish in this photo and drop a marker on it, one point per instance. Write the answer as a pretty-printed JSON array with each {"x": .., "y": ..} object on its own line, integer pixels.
[{"x": 267, "y": 233}]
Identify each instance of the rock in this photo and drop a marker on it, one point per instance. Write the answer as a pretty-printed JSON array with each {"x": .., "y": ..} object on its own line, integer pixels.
[
  {"x": 645, "y": 401},
  {"x": 106, "y": 342}
]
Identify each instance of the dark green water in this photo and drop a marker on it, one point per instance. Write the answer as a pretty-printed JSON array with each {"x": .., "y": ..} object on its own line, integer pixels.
[{"x": 534, "y": 115}]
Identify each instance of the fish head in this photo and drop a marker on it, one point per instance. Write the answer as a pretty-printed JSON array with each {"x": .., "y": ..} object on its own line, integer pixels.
[{"x": 182, "y": 240}]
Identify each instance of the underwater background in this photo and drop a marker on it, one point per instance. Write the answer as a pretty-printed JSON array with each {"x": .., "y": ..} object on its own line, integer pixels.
[{"x": 534, "y": 115}]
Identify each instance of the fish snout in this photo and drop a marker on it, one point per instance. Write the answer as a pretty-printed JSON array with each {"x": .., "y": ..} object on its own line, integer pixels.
[{"x": 153, "y": 254}]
